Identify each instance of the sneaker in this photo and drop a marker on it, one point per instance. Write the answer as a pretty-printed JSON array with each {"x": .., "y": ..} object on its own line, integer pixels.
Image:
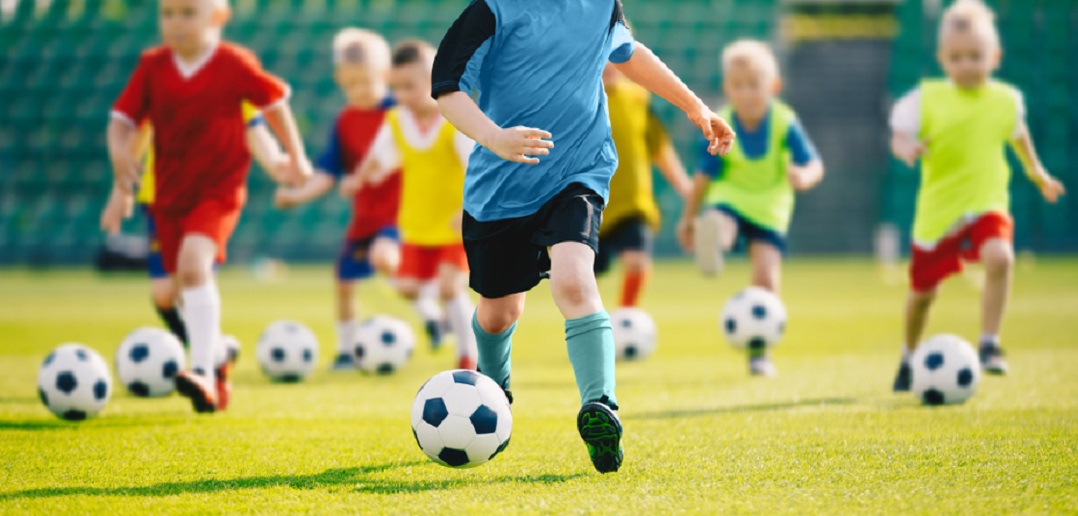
[
  {"x": 434, "y": 334},
  {"x": 343, "y": 362},
  {"x": 223, "y": 385},
  {"x": 196, "y": 387},
  {"x": 600, "y": 429},
  {"x": 760, "y": 365},
  {"x": 466, "y": 363},
  {"x": 708, "y": 243},
  {"x": 992, "y": 360},
  {"x": 903, "y": 378}
]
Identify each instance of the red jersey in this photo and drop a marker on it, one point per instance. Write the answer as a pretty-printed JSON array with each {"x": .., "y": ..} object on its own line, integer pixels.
[
  {"x": 199, "y": 137},
  {"x": 375, "y": 205}
]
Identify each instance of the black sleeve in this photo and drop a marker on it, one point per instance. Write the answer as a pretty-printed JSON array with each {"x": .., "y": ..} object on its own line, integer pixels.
[
  {"x": 618, "y": 15},
  {"x": 474, "y": 26}
]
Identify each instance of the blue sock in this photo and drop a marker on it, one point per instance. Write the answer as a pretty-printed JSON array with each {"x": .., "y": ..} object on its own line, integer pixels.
[
  {"x": 494, "y": 352},
  {"x": 590, "y": 340}
]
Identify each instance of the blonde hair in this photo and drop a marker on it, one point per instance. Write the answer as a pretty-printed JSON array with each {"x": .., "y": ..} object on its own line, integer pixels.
[
  {"x": 969, "y": 15},
  {"x": 354, "y": 46},
  {"x": 755, "y": 54}
]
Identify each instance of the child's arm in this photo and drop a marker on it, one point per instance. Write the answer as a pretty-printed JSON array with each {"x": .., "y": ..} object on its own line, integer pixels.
[
  {"x": 283, "y": 123},
  {"x": 315, "y": 187},
  {"x": 519, "y": 144},
  {"x": 266, "y": 151},
  {"x": 805, "y": 177},
  {"x": 647, "y": 70},
  {"x": 687, "y": 226},
  {"x": 671, "y": 167},
  {"x": 122, "y": 138},
  {"x": 805, "y": 170},
  {"x": 905, "y": 124},
  {"x": 1050, "y": 187},
  {"x": 118, "y": 208},
  {"x": 907, "y": 148}
]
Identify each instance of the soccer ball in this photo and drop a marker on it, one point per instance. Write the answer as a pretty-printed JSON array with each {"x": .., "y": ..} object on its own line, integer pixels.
[
  {"x": 634, "y": 333},
  {"x": 383, "y": 345},
  {"x": 147, "y": 362},
  {"x": 945, "y": 369},
  {"x": 287, "y": 351},
  {"x": 754, "y": 318},
  {"x": 74, "y": 382},
  {"x": 461, "y": 419}
]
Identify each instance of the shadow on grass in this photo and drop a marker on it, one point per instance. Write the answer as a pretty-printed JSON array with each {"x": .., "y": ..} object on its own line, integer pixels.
[
  {"x": 765, "y": 407},
  {"x": 105, "y": 422},
  {"x": 356, "y": 477}
]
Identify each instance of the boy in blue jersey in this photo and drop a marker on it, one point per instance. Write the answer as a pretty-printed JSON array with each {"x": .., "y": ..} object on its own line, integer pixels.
[{"x": 536, "y": 68}]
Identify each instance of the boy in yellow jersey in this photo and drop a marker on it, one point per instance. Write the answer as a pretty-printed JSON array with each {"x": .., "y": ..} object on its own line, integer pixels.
[
  {"x": 958, "y": 128},
  {"x": 264, "y": 148},
  {"x": 432, "y": 156},
  {"x": 749, "y": 193},
  {"x": 631, "y": 217}
]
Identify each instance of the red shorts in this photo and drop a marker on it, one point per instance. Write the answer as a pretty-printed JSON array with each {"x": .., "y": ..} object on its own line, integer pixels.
[
  {"x": 421, "y": 262},
  {"x": 213, "y": 219},
  {"x": 929, "y": 267}
]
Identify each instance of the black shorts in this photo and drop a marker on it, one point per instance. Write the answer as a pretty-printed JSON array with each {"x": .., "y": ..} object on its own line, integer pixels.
[
  {"x": 510, "y": 256},
  {"x": 749, "y": 232},
  {"x": 632, "y": 234}
]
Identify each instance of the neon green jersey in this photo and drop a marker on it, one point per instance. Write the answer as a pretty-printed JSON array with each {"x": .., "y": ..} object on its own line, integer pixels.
[
  {"x": 757, "y": 188},
  {"x": 964, "y": 172}
]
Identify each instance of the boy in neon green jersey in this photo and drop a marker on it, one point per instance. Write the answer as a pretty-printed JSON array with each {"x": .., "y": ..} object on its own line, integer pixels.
[
  {"x": 750, "y": 192},
  {"x": 958, "y": 127}
]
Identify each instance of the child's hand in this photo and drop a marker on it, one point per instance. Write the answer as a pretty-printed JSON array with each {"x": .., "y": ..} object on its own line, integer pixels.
[
  {"x": 126, "y": 173},
  {"x": 299, "y": 171},
  {"x": 520, "y": 144},
  {"x": 118, "y": 208},
  {"x": 908, "y": 149},
  {"x": 803, "y": 178},
  {"x": 282, "y": 170},
  {"x": 350, "y": 185},
  {"x": 686, "y": 228},
  {"x": 718, "y": 133},
  {"x": 284, "y": 198},
  {"x": 1050, "y": 187}
]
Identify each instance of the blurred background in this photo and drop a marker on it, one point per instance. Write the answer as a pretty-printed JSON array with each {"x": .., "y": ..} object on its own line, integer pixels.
[{"x": 62, "y": 63}]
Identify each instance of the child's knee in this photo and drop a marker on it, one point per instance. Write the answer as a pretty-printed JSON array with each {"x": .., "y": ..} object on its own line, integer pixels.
[
  {"x": 923, "y": 298},
  {"x": 163, "y": 293},
  {"x": 575, "y": 290},
  {"x": 997, "y": 257},
  {"x": 635, "y": 262},
  {"x": 408, "y": 288},
  {"x": 497, "y": 317},
  {"x": 192, "y": 273}
]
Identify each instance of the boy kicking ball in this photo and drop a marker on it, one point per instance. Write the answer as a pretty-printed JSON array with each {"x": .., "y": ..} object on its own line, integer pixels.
[
  {"x": 537, "y": 183},
  {"x": 958, "y": 128}
]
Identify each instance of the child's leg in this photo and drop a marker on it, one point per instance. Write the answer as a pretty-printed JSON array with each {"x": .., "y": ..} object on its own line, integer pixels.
[
  {"x": 163, "y": 292},
  {"x": 346, "y": 316},
  {"x": 493, "y": 324},
  {"x": 727, "y": 226},
  {"x": 588, "y": 334},
  {"x": 917, "y": 308},
  {"x": 385, "y": 256},
  {"x": 201, "y": 302},
  {"x": 637, "y": 265},
  {"x": 998, "y": 259},
  {"x": 766, "y": 265},
  {"x": 459, "y": 309}
]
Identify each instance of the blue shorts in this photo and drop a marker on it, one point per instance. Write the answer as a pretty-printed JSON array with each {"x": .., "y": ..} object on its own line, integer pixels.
[
  {"x": 354, "y": 262},
  {"x": 155, "y": 264},
  {"x": 748, "y": 231}
]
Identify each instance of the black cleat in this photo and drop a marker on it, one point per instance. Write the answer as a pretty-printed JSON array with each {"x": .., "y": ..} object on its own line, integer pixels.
[
  {"x": 203, "y": 395},
  {"x": 600, "y": 429},
  {"x": 992, "y": 360},
  {"x": 903, "y": 378},
  {"x": 434, "y": 333}
]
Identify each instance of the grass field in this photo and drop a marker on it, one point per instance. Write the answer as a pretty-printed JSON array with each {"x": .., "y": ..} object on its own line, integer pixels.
[{"x": 825, "y": 436}]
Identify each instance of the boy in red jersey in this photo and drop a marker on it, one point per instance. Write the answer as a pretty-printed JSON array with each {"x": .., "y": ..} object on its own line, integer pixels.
[
  {"x": 361, "y": 61},
  {"x": 190, "y": 89}
]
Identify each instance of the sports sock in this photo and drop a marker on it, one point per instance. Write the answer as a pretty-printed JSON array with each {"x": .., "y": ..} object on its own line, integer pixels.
[
  {"x": 426, "y": 303},
  {"x": 346, "y": 333},
  {"x": 631, "y": 285},
  {"x": 171, "y": 317},
  {"x": 494, "y": 352},
  {"x": 590, "y": 341},
  {"x": 990, "y": 339},
  {"x": 202, "y": 311},
  {"x": 459, "y": 310},
  {"x": 905, "y": 353}
]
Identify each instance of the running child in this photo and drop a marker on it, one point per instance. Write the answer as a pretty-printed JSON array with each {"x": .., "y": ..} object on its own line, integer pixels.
[
  {"x": 959, "y": 128},
  {"x": 190, "y": 90},
  {"x": 432, "y": 156},
  {"x": 538, "y": 181},
  {"x": 749, "y": 193}
]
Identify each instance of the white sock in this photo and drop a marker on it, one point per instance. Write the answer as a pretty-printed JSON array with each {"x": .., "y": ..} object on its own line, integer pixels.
[
  {"x": 990, "y": 339},
  {"x": 426, "y": 304},
  {"x": 459, "y": 311},
  {"x": 202, "y": 314},
  {"x": 346, "y": 334}
]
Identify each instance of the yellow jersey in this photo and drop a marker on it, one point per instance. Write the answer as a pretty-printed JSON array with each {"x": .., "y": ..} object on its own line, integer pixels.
[
  {"x": 432, "y": 169},
  {"x": 251, "y": 117},
  {"x": 638, "y": 136}
]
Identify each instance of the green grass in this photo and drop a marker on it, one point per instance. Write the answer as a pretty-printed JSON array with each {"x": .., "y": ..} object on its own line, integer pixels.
[{"x": 826, "y": 436}]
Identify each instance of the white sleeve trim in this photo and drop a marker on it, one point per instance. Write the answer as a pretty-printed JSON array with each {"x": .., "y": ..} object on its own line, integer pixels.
[
  {"x": 121, "y": 116},
  {"x": 906, "y": 114}
]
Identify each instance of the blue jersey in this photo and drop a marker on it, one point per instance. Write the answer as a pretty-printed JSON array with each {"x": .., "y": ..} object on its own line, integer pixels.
[{"x": 536, "y": 64}]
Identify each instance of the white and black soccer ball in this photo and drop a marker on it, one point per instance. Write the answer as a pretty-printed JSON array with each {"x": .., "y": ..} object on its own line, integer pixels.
[
  {"x": 754, "y": 318},
  {"x": 383, "y": 345},
  {"x": 461, "y": 419},
  {"x": 634, "y": 333},
  {"x": 74, "y": 382},
  {"x": 945, "y": 369},
  {"x": 287, "y": 351},
  {"x": 147, "y": 362}
]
